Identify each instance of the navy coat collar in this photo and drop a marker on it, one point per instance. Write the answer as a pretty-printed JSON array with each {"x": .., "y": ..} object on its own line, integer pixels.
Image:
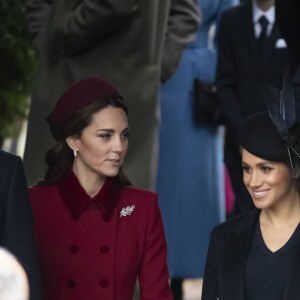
[
  {"x": 235, "y": 260},
  {"x": 77, "y": 200}
]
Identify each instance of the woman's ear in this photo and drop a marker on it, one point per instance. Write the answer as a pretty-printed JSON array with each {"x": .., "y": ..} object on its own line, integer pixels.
[
  {"x": 297, "y": 173},
  {"x": 72, "y": 142}
]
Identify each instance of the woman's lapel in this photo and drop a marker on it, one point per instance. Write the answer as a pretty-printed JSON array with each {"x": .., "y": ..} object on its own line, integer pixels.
[{"x": 236, "y": 258}]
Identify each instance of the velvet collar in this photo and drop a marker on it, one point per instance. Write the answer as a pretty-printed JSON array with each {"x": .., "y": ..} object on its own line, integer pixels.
[{"x": 77, "y": 200}]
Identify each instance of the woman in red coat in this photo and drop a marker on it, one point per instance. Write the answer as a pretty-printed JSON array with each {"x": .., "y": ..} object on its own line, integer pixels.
[{"x": 96, "y": 234}]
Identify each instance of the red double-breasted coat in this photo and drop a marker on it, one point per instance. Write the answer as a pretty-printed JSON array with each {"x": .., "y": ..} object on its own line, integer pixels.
[{"x": 96, "y": 248}]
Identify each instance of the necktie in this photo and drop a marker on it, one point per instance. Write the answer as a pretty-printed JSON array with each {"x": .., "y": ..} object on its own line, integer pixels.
[{"x": 262, "y": 39}]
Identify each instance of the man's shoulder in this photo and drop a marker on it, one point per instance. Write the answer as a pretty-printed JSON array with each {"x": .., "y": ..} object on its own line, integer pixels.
[
  {"x": 8, "y": 162},
  {"x": 6, "y": 156},
  {"x": 236, "y": 12}
]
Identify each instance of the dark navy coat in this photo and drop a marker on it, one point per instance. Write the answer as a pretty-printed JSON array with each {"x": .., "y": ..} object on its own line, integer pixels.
[
  {"x": 16, "y": 222},
  {"x": 226, "y": 261}
]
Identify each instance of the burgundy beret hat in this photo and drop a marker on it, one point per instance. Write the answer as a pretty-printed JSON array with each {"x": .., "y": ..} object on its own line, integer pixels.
[
  {"x": 259, "y": 136},
  {"x": 77, "y": 96}
]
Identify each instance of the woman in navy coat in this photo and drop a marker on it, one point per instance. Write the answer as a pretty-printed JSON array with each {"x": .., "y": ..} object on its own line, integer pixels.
[
  {"x": 16, "y": 221},
  {"x": 256, "y": 255},
  {"x": 96, "y": 234}
]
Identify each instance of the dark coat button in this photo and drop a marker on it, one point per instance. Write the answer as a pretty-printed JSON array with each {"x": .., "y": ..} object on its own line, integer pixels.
[
  {"x": 74, "y": 249},
  {"x": 103, "y": 283},
  {"x": 71, "y": 283},
  {"x": 104, "y": 249}
]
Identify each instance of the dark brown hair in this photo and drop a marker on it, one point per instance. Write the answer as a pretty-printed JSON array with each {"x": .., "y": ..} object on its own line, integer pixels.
[{"x": 60, "y": 157}]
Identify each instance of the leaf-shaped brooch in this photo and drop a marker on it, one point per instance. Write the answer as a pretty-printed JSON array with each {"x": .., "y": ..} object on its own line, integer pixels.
[{"x": 127, "y": 211}]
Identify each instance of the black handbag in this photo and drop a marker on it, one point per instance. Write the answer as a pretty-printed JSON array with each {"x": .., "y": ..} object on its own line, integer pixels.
[{"x": 206, "y": 104}]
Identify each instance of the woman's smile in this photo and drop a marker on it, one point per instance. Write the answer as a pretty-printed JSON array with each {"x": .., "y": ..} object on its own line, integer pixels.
[{"x": 259, "y": 194}]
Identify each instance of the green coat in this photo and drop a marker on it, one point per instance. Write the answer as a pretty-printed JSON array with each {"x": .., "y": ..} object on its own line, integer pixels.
[{"x": 119, "y": 40}]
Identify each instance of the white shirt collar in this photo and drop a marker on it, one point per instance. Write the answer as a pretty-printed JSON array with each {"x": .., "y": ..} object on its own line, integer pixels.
[{"x": 257, "y": 13}]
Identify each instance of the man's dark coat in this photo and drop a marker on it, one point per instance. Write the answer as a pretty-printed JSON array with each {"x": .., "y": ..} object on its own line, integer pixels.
[
  {"x": 241, "y": 76},
  {"x": 16, "y": 220},
  {"x": 121, "y": 41}
]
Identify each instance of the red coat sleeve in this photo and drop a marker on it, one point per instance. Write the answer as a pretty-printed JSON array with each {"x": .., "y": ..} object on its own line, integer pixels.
[{"x": 153, "y": 277}]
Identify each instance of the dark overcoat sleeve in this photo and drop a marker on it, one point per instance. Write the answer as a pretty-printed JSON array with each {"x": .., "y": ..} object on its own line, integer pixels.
[
  {"x": 16, "y": 220},
  {"x": 226, "y": 78},
  {"x": 80, "y": 26},
  {"x": 37, "y": 15},
  {"x": 183, "y": 21}
]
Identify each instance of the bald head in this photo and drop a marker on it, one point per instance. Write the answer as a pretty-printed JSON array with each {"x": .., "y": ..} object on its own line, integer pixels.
[{"x": 13, "y": 279}]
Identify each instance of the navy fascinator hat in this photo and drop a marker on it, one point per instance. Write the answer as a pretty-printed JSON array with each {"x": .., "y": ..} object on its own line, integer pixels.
[
  {"x": 275, "y": 134},
  {"x": 259, "y": 136}
]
